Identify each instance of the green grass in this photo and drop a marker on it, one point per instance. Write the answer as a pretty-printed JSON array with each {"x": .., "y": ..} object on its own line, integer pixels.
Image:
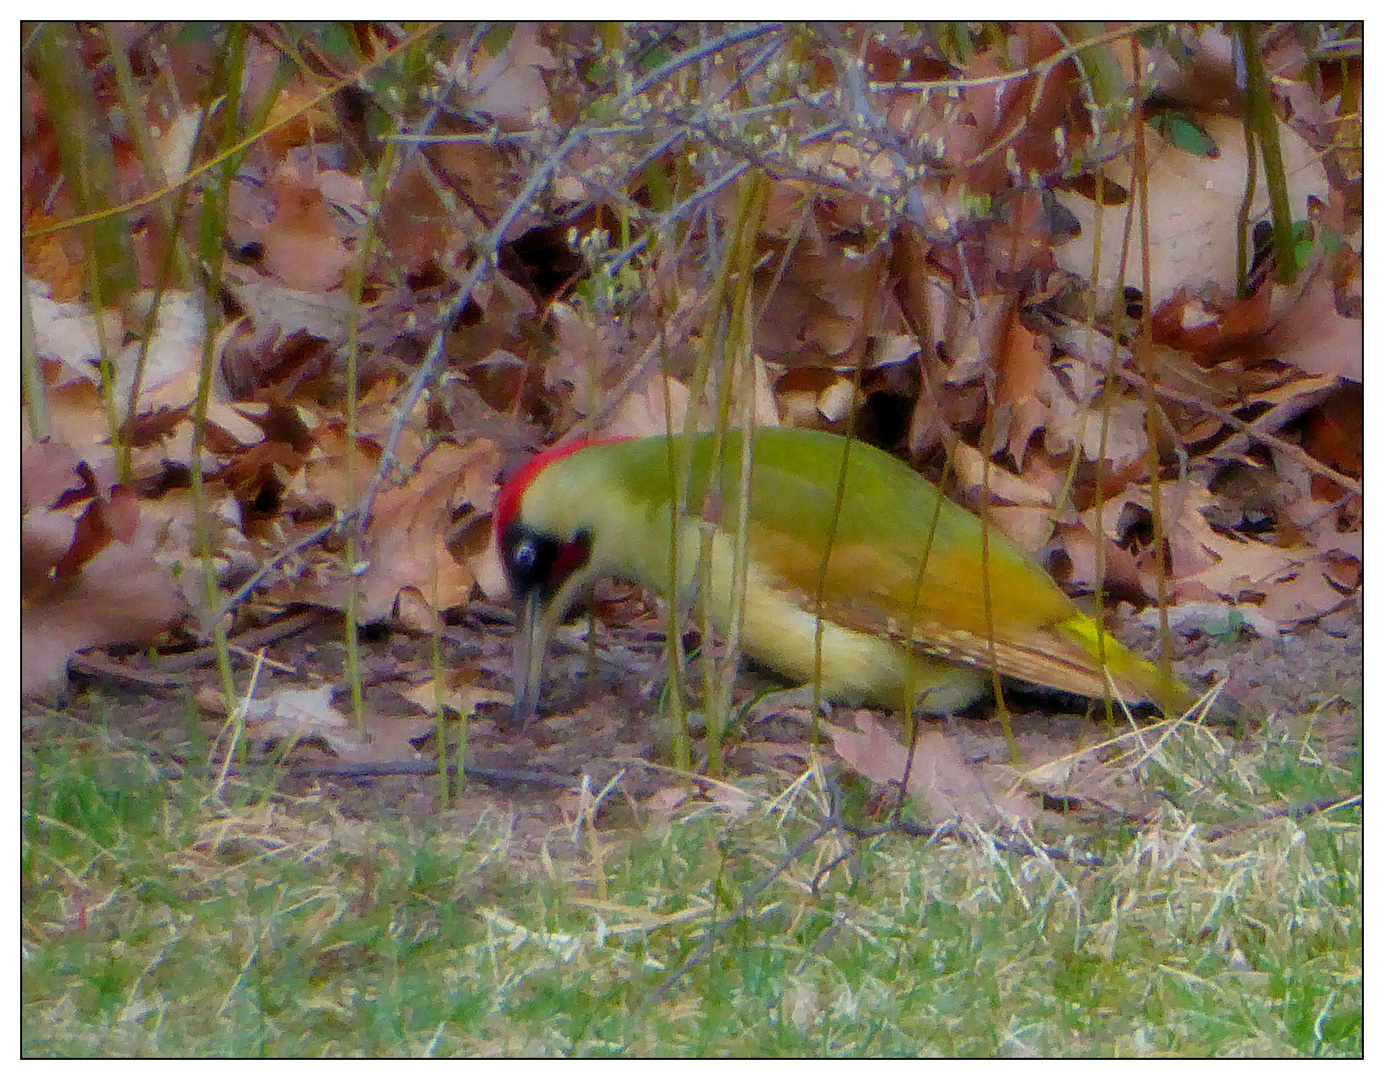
[{"x": 163, "y": 918}]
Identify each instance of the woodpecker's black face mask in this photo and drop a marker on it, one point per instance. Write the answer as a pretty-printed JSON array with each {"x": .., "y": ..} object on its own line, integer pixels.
[
  {"x": 536, "y": 562},
  {"x": 538, "y": 568}
]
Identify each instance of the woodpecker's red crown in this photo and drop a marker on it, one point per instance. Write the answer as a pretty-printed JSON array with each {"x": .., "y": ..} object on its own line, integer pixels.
[
  {"x": 533, "y": 561},
  {"x": 507, "y": 502}
]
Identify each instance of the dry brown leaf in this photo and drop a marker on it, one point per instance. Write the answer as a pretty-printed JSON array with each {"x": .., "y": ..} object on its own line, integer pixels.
[
  {"x": 308, "y": 716},
  {"x": 66, "y": 333},
  {"x": 461, "y": 694},
  {"x": 1314, "y": 337},
  {"x": 405, "y": 545},
  {"x": 1306, "y": 593},
  {"x": 1068, "y": 776},
  {"x": 838, "y": 400},
  {"x": 731, "y": 799},
  {"x": 303, "y": 247},
  {"x": 1193, "y": 204},
  {"x": 1023, "y": 365},
  {"x": 120, "y": 594},
  {"x": 1126, "y": 433},
  {"x": 1341, "y": 571},
  {"x": 644, "y": 409},
  {"x": 277, "y": 313},
  {"x": 415, "y": 224},
  {"x": 584, "y": 351},
  {"x": 666, "y": 800},
  {"x": 999, "y": 481},
  {"x": 1079, "y": 543},
  {"x": 511, "y": 87},
  {"x": 324, "y": 478},
  {"x": 174, "y": 356},
  {"x": 967, "y": 339},
  {"x": 823, "y": 308},
  {"x": 1250, "y": 568},
  {"x": 1031, "y": 527},
  {"x": 1193, "y": 544},
  {"x": 173, "y": 144},
  {"x": 944, "y": 784},
  {"x": 297, "y": 714},
  {"x": 66, "y": 337},
  {"x": 48, "y": 470},
  {"x": 60, "y": 259}
]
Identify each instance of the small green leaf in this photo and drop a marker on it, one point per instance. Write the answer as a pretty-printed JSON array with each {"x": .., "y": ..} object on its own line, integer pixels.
[
  {"x": 1184, "y": 131},
  {"x": 654, "y": 59},
  {"x": 975, "y": 203},
  {"x": 1227, "y": 630}
]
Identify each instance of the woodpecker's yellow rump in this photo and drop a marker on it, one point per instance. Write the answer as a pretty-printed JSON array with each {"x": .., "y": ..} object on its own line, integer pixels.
[{"x": 902, "y": 602}]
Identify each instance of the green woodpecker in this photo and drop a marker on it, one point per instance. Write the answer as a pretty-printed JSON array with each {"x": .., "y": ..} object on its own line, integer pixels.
[{"x": 902, "y": 601}]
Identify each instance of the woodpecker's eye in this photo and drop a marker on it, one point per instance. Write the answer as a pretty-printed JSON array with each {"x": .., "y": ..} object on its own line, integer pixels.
[{"x": 523, "y": 556}]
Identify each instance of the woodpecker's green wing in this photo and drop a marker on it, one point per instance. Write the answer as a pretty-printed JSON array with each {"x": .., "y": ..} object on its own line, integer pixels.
[{"x": 907, "y": 563}]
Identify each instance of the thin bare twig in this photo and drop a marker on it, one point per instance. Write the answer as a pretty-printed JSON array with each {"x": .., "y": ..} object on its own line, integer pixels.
[
  {"x": 252, "y": 583},
  {"x": 486, "y": 260},
  {"x": 708, "y": 48},
  {"x": 367, "y": 770},
  {"x": 1297, "y": 453}
]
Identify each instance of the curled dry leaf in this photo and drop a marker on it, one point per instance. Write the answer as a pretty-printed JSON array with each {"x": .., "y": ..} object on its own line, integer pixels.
[
  {"x": 1002, "y": 483},
  {"x": 1023, "y": 363},
  {"x": 90, "y": 573},
  {"x": 405, "y": 544},
  {"x": 307, "y": 716},
  {"x": 1078, "y": 542}
]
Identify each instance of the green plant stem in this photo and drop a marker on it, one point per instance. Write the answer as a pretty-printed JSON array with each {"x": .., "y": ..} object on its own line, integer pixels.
[
  {"x": 1144, "y": 351},
  {"x": 1259, "y": 106},
  {"x": 31, "y": 371}
]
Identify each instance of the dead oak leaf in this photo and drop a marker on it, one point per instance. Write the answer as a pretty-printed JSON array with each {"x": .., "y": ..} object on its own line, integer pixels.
[
  {"x": 307, "y": 718},
  {"x": 1193, "y": 204},
  {"x": 405, "y": 545},
  {"x": 118, "y": 594},
  {"x": 1194, "y": 546},
  {"x": 944, "y": 784},
  {"x": 1315, "y": 337},
  {"x": 1306, "y": 593},
  {"x": 510, "y": 86}
]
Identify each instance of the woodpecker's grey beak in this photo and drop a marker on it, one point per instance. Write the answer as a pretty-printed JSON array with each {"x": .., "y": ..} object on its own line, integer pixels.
[{"x": 530, "y": 643}]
